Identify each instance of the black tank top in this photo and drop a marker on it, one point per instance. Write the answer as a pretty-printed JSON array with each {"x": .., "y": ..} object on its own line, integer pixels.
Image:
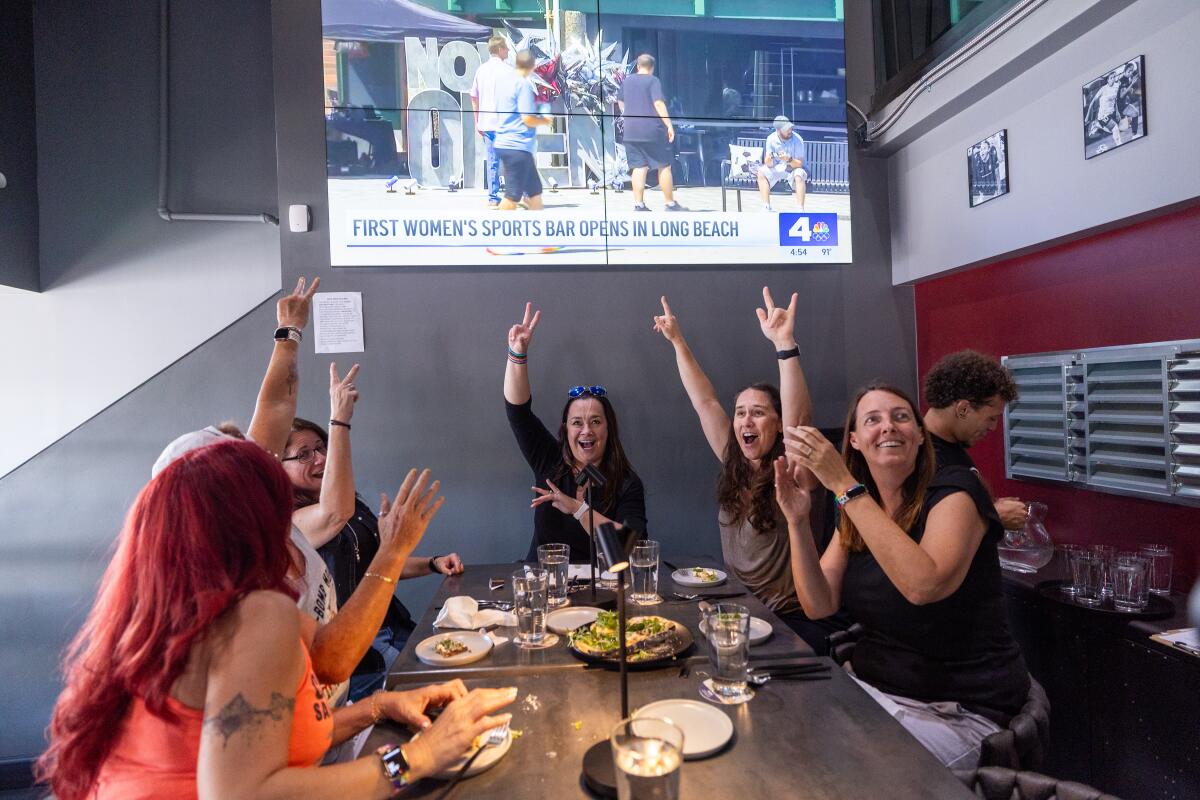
[{"x": 957, "y": 649}]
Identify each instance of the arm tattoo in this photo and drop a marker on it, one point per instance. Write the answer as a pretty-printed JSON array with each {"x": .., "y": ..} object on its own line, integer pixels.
[
  {"x": 239, "y": 714},
  {"x": 292, "y": 379}
]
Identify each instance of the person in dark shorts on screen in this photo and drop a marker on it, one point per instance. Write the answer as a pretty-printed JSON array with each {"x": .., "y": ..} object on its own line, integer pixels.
[
  {"x": 516, "y": 136},
  {"x": 649, "y": 133}
]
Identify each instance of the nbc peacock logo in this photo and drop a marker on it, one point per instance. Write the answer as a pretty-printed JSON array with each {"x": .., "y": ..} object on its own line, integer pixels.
[{"x": 820, "y": 231}]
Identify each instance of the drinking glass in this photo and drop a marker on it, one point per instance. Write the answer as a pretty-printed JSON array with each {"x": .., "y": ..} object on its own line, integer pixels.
[
  {"x": 643, "y": 565},
  {"x": 648, "y": 754},
  {"x": 1087, "y": 575},
  {"x": 1107, "y": 553},
  {"x": 602, "y": 566},
  {"x": 529, "y": 604},
  {"x": 1159, "y": 556},
  {"x": 555, "y": 559},
  {"x": 1068, "y": 550},
  {"x": 728, "y": 626},
  {"x": 1130, "y": 588}
]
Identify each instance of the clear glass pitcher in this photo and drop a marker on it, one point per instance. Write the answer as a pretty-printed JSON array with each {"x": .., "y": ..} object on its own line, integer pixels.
[{"x": 1030, "y": 547}]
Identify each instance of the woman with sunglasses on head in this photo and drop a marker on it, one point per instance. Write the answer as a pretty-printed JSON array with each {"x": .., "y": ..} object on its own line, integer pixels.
[
  {"x": 754, "y": 538},
  {"x": 333, "y": 519},
  {"x": 587, "y": 435},
  {"x": 915, "y": 562}
]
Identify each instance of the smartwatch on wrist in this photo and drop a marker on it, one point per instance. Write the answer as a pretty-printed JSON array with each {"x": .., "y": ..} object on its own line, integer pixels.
[
  {"x": 288, "y": 332},
  {"x": 395, "y": 765},
  {"x": 783, "y": 355}
]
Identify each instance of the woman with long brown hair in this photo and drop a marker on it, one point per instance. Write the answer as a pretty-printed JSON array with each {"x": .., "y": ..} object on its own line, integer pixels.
[
  {"x": 754, "y": 543},
  {"x": 915, "y": 563},
  {"x": 191, "y": 676},
  {"x": 588, "y": 435}
]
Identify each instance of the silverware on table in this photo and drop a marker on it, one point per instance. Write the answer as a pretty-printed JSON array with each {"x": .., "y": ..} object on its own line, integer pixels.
[
  {"x": 684, "y": 597},
  {"x": 492, "y": 738}
]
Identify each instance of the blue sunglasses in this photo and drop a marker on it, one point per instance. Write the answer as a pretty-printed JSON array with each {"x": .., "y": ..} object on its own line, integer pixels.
[{"x": 594, "y": 391}]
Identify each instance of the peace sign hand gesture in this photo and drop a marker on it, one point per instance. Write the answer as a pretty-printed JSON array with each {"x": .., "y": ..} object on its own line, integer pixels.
[
  {"x": 519, "y": 335},
  {"x": 343, "y": 393},
  {"x": 667, "y": 324},
  {"x": 292, "y": 309},
  {"x": 778, "y": 323}
]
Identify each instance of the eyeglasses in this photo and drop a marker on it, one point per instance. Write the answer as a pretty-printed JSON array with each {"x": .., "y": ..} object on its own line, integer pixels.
[
  {"x": 594, "y": 391},
  {"x": 306, "y": 455}
]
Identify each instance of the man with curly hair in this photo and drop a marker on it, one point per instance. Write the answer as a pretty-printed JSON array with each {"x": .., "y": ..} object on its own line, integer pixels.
[{"x": 966, "y": 393}]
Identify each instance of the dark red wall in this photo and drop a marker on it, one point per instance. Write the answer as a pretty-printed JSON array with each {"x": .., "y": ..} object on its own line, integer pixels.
[{"x": 1137, "y": 284}]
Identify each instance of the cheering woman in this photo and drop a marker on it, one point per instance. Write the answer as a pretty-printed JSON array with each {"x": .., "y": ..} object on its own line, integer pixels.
[
  {"x": 587, "y": 434},
  {"x": 191, "y": 677},
  {"x": 754, "y": 538},
  {"x": 915, "y": 562}
]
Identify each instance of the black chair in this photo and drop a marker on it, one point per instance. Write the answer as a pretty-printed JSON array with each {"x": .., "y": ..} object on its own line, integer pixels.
[
  {"x": 999, "y": 783},
  {"x": 1022, "y": 745}
]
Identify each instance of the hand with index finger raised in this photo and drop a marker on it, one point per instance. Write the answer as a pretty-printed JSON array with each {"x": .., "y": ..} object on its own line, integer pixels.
[{"x": 667, "y": 324}]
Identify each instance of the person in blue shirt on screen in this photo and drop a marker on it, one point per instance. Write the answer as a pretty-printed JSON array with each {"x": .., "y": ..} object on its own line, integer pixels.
[
  {"x": 516, "y": 135},
  {"x": 783, "y": 159}
]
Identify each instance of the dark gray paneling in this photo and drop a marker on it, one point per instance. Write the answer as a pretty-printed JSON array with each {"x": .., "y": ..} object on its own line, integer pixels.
[{"x": 18, "y": 149}]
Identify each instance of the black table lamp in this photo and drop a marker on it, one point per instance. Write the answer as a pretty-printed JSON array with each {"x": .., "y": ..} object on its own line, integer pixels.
[
  {"x": 598, "y": 770},
  {"x": 591, "y": 478}
]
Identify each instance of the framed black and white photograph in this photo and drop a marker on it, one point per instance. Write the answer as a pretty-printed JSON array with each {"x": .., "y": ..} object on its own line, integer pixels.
[
  {"x": 987, "y": 168},
  {"x": 1114, "y": 108}
]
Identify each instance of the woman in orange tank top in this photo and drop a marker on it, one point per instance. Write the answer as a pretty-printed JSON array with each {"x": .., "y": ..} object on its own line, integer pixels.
[{"x": 190, "y": 677}]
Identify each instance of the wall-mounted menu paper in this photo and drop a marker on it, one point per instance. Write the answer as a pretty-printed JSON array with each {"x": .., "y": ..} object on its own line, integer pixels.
[{"x": 338, "y": 322}]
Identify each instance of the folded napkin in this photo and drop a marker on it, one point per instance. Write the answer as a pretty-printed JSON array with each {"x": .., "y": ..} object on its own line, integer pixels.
[{"x": 463, "y": 612}]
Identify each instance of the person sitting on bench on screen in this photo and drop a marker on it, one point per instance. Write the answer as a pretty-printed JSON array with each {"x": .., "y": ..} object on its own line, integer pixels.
[{"x": 783, "y": 159}]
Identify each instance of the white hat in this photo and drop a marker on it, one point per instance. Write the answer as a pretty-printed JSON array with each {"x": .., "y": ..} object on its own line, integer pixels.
[{"x": 189, "y": 441}]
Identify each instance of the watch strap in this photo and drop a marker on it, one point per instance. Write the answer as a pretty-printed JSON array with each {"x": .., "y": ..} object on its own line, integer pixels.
[
  {"x": 857, "y": 490},
  {"x": 395, "y": 765},
  {"x": 289, "y": 333},
  {"x": 783, "y": 355}
]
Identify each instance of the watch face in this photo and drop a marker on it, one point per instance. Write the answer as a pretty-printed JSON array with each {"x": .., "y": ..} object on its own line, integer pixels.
[{"x": 281, "y": 334}]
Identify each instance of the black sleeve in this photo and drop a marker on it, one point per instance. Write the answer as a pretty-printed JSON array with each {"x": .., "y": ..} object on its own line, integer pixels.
[
  {"x": 631, "y": 504},
  {"x": 537, "y": 445},
  {"x": 656, "y": 93},
  {"x": 953, "y": 479}
]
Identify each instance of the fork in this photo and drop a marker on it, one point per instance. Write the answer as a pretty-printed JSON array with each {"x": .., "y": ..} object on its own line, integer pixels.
[
  {"x": 502, "y": 605},
  {"x": 492, "y": 738}
]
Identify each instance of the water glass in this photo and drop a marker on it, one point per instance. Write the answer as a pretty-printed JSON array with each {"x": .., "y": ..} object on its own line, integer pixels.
[
  {"x": 648, "y": 754},
  {"x": 643, "y": 566},
  {"x": 728, "y": 633},
  {"x": 1130, "y": 582},
  {"x": 1067, "y": 550},
  {"x": 1106, "y": 553},
  {"x": 1159, "y": 556},
  {"x": 555, "y": 559},
  {"x": 1087, "y": 576},
  {"x": 529, "y": 604},
  {"x": 602, "y": 566}
]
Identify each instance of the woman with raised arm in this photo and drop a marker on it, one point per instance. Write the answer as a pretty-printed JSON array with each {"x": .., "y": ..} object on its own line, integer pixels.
[
  {"x": 754, "y": 543},
  {"x": 191, "y": 677},
  {"x": 587, "y": 434},
  {"x": 915, "y": 562}
]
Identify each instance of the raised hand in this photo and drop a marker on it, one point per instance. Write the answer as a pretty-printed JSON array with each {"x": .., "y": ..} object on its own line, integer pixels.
[
  {"x": 556, "y": 497},
  {"x": 402, "y": 523},
  {"x": 794, "y": 500},
  {"x": 521, "y": 334},
  {"x": 807, "y": 447},
  {"x": 667, "y": 324},
  {"x": 292, "y": 309},
  {"x": 343, "y": 393},
  {"x": 778, "y": 324}
]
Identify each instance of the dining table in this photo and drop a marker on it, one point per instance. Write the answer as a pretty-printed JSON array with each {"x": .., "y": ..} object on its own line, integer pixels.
[{"x": 819, "y": 737}]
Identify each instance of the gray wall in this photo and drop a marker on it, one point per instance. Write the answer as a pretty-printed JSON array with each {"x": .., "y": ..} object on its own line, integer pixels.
[{"x": 18, "y": 149}]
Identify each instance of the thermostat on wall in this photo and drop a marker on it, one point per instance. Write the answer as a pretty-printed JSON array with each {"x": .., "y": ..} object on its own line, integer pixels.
[{"x": 299, "y": 219}]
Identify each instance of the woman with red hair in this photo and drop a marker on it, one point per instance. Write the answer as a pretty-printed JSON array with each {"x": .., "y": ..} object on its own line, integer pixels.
[{"x": 190, "y": 677}]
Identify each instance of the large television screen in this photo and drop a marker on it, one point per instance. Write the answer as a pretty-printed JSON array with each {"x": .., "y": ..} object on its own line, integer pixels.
[{"x": 559, "y": 132}]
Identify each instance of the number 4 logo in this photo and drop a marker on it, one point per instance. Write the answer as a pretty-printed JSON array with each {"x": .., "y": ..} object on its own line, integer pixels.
[{"x": 800, "y": 229}]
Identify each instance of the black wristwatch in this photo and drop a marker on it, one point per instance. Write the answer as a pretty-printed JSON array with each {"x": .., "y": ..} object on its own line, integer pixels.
[
  {"x": 395, "y": 765},
  {"x": 286, "y": 332},
  {"x": 433, "y": 565}
]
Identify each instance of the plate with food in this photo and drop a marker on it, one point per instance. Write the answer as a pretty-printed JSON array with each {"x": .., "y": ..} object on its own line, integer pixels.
[
  {"x": 650, "y": 641},
  {"x": 760, "y": 630},
  {"x": 487, "y": 759},
  {"x": 565, "y": 620},
  {"x": 698, "y": 576},
  {"x": 454, "y": 648}
]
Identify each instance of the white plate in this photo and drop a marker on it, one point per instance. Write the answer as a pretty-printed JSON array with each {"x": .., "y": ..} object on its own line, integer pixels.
[
  {"x": 480, "y": 645},
  {"x": 487, "y": 759},
  {"x": 686, "y": 577},
  {"x": 760, "y": 630},
  {"x": 706, "y": 728},
  {"x": 565, "y": 620}
]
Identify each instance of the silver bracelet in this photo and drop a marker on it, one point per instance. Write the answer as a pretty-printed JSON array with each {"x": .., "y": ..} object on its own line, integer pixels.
[{"x": 583, "y": 509}]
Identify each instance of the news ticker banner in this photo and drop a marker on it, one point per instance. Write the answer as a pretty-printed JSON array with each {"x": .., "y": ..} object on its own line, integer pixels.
[{"x": 365, "y": 237}]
